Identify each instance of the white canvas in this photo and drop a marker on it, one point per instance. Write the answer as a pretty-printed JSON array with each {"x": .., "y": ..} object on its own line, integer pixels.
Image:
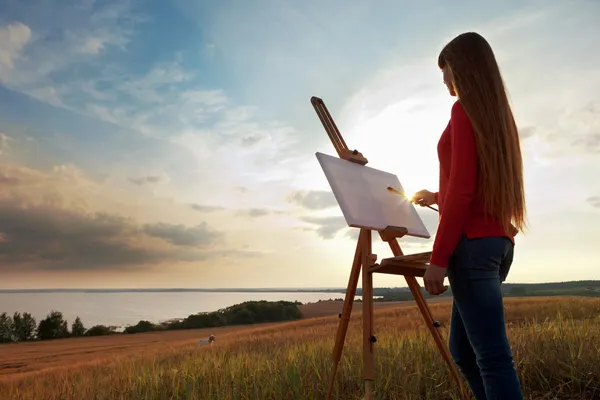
[{"x": 362, "y": 194}]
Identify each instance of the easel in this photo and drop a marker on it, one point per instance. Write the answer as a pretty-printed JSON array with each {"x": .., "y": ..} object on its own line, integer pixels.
[{"x": 409, "y": 266}]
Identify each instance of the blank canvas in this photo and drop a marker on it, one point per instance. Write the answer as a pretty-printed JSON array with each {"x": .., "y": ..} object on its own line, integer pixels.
[{"x": 362, "y": 194}]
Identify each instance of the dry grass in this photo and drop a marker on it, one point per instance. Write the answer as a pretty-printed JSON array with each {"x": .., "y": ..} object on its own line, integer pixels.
[
  {"x": 20, "y": 359},
  {"x": 556, "y": 342},
  {"x": 32, "y": 357}
]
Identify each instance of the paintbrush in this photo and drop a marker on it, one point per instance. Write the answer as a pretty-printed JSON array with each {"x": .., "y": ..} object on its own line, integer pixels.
[{"x": 391, "y": 189}]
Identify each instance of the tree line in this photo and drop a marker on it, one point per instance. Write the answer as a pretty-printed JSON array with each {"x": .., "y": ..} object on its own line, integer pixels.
[
  {"x": 513, "y": 290},
  {"x": 23, "y": 327},
  {"x": 249, "y": 312}
]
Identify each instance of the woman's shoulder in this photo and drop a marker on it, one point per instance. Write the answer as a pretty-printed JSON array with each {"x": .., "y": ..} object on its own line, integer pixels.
[
  {"x": 460, "y": 122},
  {"x": 458, "y": 110}
]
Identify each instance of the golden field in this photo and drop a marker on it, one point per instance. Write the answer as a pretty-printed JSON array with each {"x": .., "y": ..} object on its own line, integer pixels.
[{"x": 556, "y": 343}]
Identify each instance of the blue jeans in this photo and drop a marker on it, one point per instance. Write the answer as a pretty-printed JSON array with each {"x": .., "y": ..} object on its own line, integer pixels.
[{"x": 478, "y": 341}]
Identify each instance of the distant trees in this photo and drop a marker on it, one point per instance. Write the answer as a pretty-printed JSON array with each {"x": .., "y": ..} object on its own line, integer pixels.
[
  {"x": 100, "y": 330},
  {"x": 23, "y": 327},
  {"x": 250, "y": 312},
  {"x": 77, "y": 328},
  {"x": 16, "y": 328},
  {"x": 518, "y": 291},
  {"x": 142, "y": 326},
  {"x": 6, "y": 328},
  {"x": 54, "y": 326}
]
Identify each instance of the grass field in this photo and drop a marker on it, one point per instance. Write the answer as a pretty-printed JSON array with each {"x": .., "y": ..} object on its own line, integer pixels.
[{"x": 556, "y": 342}]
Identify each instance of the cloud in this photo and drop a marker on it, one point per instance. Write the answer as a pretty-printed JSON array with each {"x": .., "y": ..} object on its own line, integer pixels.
[
  {"x": 91, "y": 45},
  {"x": 251, "y": 140},
  {"x": 196, "y": 236},
  {"x": 13, "y": 39},
  {"x": 585, "y": 122},
  {"x": 594, "y": 201},
  {"x": 205, "y": 208},
  {"x": 576, "y": 130},
  {"x": 314, "y": 199},
  {"x": 50, "y": 237},
  {"x": 214, "y": 97},
  {"x": 151, "y": 87},
  {"x": 4, "y": 143},
  {"x": 588, "y": 143},
  {"x": 149, "y": 179},
  {"x": 9, "y": 181},
  {"x": 327, "y": 227},
  {"x": 112, "y": 24},
  {"x": 254, "y": 212},
  {"x": 163, "y": 102},
  {"x": 67, "y": 45},
  {"x": 527, "y": 131},
  {"x": 353, "y": 234},
  {"x": 79, "y": 63},
  {"x": 57, "y": 220}
]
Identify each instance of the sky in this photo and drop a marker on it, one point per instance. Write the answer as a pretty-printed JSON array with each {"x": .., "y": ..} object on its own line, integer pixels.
[{"x": 172, "y": 144}]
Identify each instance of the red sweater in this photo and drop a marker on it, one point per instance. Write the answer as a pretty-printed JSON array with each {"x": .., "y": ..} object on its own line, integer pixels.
[{"x": 460, "y": 208}]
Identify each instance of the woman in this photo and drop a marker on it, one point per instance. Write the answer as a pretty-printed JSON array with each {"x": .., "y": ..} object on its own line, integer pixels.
[{"x": 480, "y": 197}]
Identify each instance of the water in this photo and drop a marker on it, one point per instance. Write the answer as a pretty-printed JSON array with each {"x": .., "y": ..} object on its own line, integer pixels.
[{"x": 128, "y": 308}]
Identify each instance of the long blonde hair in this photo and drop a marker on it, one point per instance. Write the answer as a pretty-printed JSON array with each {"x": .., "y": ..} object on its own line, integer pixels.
[{"x": 481, "y": 92}]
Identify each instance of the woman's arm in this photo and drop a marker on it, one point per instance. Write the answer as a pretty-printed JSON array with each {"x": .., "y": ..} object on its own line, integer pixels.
[{"x": 462, "y": 186}]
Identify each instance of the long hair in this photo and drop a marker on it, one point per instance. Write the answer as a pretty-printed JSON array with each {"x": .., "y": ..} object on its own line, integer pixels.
[{"x": 480, "y": 89}]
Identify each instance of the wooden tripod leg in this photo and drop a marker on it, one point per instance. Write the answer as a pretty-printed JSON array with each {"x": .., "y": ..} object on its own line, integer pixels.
[
  {"x": 367, "y": 316},
  {"x": 346, "y": 312},
  {"x": 428, "y": 317},
  {"x": 437, "y": 336}
]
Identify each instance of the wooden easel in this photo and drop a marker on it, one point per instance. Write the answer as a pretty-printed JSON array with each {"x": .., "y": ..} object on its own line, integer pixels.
[{"x": 409, "y": 266}]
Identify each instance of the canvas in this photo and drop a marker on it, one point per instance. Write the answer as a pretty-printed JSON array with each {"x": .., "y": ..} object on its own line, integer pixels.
[{"x": 362, "y": 195}]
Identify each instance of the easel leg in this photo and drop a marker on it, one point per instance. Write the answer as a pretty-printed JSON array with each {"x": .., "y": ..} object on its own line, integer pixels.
[
  {"x": 437, "y": 336},
  {"x": 346, "y": 311},
  {"x": 428, "y": 317},
  {"x": 367, "y": 315}
]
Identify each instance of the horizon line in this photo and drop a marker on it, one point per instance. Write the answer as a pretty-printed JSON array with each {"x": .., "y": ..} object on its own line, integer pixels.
[{"x": 229, "y": 289}]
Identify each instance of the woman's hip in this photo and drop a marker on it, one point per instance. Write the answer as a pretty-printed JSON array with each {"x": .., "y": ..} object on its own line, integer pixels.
[{"x": 479, "y": 258}]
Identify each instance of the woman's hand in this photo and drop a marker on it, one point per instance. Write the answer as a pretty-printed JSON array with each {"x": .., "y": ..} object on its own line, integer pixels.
[
  {"x": 423, "y": 198},
  {"x": 434, "y": 280}
]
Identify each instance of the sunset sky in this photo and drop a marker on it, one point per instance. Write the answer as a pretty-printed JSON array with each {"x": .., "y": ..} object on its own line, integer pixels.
[{"x": 172, "y": 144}]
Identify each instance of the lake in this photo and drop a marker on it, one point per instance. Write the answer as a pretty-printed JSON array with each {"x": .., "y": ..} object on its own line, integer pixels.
[{"x": 128, "y": 308}]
